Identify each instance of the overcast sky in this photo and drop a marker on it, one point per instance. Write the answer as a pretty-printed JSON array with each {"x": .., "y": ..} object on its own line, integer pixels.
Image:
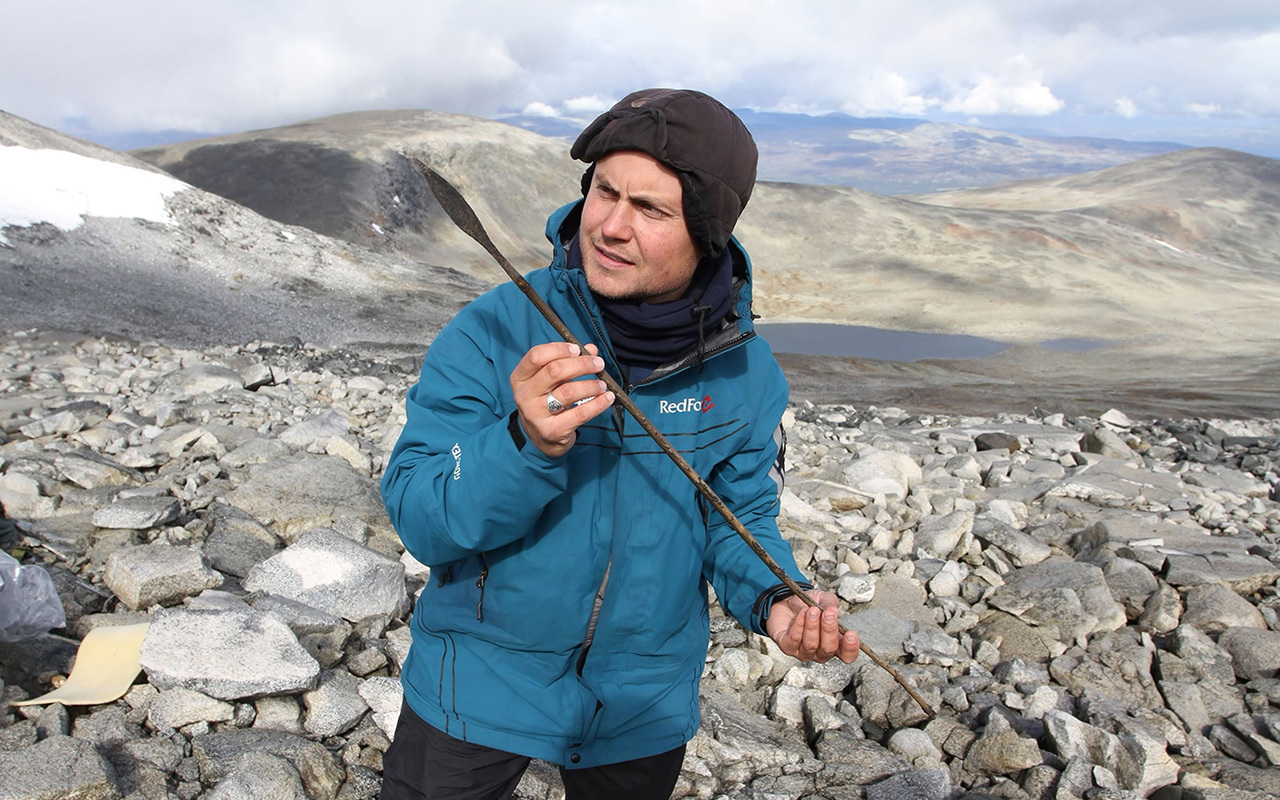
[{"x": 1192, "y": 71}]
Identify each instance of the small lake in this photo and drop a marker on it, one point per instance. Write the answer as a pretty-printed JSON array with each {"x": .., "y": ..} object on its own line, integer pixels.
[{"x": 857, "y": 341}]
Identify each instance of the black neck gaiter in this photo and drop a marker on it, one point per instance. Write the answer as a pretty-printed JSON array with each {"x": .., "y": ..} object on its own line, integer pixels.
[{"x": 645, "y": 335}]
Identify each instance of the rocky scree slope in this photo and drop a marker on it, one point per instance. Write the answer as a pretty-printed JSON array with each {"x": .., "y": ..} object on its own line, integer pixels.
[
  {"x": 1089, "y": 603},
  {"x": 211, "y": 271}
]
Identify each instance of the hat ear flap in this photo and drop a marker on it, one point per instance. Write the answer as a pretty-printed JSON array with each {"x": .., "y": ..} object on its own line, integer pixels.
[
  {"x": 586, "y": 178},
  {"x": 696, "y": 219}
]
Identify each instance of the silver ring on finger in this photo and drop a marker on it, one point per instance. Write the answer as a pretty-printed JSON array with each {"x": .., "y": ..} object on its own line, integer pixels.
[{"x": 554, "y": 406}]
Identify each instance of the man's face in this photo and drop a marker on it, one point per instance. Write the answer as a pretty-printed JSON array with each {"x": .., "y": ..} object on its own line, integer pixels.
[{"x": 635, "y": 244}]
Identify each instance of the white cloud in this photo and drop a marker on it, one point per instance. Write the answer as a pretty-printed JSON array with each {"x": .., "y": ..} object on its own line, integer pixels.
[
  {"x": 1204, "y": 109},
  {"x": 1126, "y": 108},
  {"x": 536, "y": 109},
  {"x": 1018, "y": 88},
  {"x": 886, "y": 92},
  {"x": 135, "y": 65},
  {"x": 592, "y": 104}
]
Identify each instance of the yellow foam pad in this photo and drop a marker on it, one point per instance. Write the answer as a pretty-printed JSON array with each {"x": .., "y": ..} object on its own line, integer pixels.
[{"x": 107, "y": 663}]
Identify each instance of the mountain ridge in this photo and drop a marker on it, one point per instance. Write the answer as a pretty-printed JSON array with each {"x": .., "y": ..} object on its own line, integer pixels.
[
  {"x": 826, "y": 254},
  {"x": 895, "y": 156}
]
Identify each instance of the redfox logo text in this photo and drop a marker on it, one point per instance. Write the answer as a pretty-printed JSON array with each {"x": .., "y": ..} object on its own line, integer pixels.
[{"x": 688, "y": 404}]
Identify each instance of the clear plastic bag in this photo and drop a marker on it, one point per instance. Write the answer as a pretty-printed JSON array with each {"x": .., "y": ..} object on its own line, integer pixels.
[{"x": 29, "y": 603}]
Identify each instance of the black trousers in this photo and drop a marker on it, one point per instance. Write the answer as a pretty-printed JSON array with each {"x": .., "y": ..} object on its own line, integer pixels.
[{"x": 426, "y": 764}]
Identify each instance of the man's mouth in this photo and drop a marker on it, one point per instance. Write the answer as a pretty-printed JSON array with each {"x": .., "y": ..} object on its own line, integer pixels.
[{"x": 608, "y": 258}]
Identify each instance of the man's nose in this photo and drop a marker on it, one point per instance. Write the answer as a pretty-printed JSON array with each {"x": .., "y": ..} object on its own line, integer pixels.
[{"x": 618, "y": 224}]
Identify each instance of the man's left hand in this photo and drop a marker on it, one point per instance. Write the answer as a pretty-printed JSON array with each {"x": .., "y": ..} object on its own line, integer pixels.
[{"x": 811, "y": 634}]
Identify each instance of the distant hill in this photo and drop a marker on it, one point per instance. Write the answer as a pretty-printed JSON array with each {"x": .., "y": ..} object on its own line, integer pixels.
[
  {"x": 894, "y": 156},
  {"x": 205, "y": 271},
  {"x": 349, "y": 176},
  {"x": 822, "y": 253},
  {"x": 1214, "y": 202},
  {"x": 330, "y": 232}
]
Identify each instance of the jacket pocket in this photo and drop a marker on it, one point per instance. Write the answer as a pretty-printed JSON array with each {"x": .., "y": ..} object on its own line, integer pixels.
[{"x": 456, "y": 599}]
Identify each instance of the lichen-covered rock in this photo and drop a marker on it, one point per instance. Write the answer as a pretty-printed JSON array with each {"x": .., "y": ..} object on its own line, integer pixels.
[
  {"x": 228, "y": 654},
  {"x": 157, "y": 574}
]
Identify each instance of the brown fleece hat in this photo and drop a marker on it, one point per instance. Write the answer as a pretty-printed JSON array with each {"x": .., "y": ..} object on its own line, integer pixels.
[{"x": 695, "y": 135}]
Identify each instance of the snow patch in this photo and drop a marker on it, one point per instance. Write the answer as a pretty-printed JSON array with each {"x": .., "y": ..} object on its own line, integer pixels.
[
  {"x": 1166, "y": 244},
  {"x": 63, "y": 188}
]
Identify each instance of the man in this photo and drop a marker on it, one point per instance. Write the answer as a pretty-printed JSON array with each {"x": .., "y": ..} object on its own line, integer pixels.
[{"x": 567, "y": 618}]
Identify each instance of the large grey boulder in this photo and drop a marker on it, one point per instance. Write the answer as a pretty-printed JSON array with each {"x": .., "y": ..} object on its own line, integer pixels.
[
  {"x": 315, "y": 430},
  {"x": 259, "y": 775},
  {"x": 1112, "y": 482},
  {"x": 227, "y": 654},
  {"x": 938, "y": 536},
  {"x": 179, "y": 706},
  {"x": 138, "y": 513},
  {"x": 202, "y": 379},
  {"x": 296, "y": 495},
  {"x": 157, "y": 574},
  {"x": 1214, "y": 607},
  {"x": 22, "y": 499},
  {"x": 324, "y": 635},
  {"x": 1023, "y": 550},
  {"x": 882, "y": 473},
  {"x": 1187, "y": 554},
  {"x": 730, "y": 733},
  {"x": 237, "y": 541},
  {"x": 58, "y": 768},
  {"x": 1135, "y": 763},
  {"x": 89, "y": 470},
  {"x": 385, "y": 697},
  {"x": 1255, "y": 653},
  {"x": 335, "y": 705},
  {"x": 999, "y": 750},
  {"x": 853, "y": 760},
  {"x": 218, "y": 755},
  {"x": 327, "y": 570},
  {"x": 1069, "y": 596},
  {"x": 917, "y": 784}
]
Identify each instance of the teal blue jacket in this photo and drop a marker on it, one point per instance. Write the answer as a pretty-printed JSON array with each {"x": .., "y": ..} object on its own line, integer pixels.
[{"x": 566, "y": 616}]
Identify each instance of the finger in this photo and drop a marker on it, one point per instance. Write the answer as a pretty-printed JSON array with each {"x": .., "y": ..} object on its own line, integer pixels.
[
  {"x": 555, "y": 362},
  {"x": 811, "y": 641},
  {"x": 561, "y": 371},
  {"x": 555, "y": 434},
  {"x": 540, "y": 355},
  {"x": 850, "y": 647},
  {"x": 830, "y": 633},
  {"x": 546, "y": 367},
  {"x": 791, "y": 638},
  {"x": 576, "y": 415},
  {"x": 575, "y": 392}
]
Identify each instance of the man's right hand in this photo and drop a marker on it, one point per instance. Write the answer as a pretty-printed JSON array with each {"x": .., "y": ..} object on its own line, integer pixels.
[{"x": 551, "y": 369}]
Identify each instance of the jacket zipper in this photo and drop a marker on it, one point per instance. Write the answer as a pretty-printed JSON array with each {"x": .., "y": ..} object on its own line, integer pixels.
[
  {"x": 596, "y": 605},
  {"x": 446, "y": 576},
  {"x": 600, "y": 334},
  {"x": 484, "y": 575}
]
